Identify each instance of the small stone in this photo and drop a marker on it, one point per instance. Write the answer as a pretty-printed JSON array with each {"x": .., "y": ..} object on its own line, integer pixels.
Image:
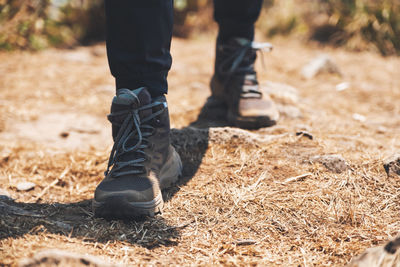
[
  {"x": 381, "y": 129},
  {"x": 359, "y": 117},
  {"x": 197, "y": 138},
  {"x": 288, "y": 111},
  {"x": 281, "y": 93},
  {"x": 321, "y": 64},
  {"x": 25, "y": 186},
  {"x": 305, "y": 134},
  {"x": 335, "y": 163},
  {"x": 342, "y": 86},
  {"x": 77, "y": 56},
  {"x": 245, "y": 242},
  {"x": 382, "y": 256},
  {"x": 392, "y": 165},
  {"x": 64, "y": 134}
]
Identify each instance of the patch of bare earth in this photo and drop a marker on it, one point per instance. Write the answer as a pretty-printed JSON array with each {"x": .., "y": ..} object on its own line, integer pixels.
[{"x": 264, "y": 197}]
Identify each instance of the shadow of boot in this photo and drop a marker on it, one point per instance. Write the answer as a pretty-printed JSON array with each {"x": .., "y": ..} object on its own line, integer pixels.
[{"x": 192, "y": 142}]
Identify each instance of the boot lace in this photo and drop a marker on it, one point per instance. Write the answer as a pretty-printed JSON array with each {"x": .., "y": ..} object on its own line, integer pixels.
[
  {"x": 240, "y": 61},
  {"x": 133, "y": 129}
]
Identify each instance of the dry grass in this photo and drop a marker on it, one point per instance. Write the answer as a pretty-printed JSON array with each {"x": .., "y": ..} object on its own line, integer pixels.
[{"x": 234, "y": 205}]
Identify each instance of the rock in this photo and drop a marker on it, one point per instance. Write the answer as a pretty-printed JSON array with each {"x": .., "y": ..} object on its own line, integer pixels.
[
  {"x": 281, "y": 93},
  {"x": 245, "y": 242},
  {"x": 227, "y": 134},
  {"x": 305, "y": 134},
  {"x": 321, "y": 64},
  {"x": 291, "y": 112},
  {"x": 56, "y": 257},
  {"x": 381, "y": 129},
  {"x": 25, "y": 186},
  {"x": 79, "y": 56},
  {"x": 64, "y": 134},
  {"x": 359, "y": 117},
  {"x": 392, "y": 165},
  {"x": 382, "y": 256},
  {"x": 342, "y": 86},
  {"x": 335, "y": 163},
  {"x": 285, "y": 96},
  {"x": 196, "y": 140}
]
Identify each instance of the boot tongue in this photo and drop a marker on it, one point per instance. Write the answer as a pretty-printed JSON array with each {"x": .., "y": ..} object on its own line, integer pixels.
[
  {"x": 145, "y": 99},
  {"x": 124, "y": 100}
]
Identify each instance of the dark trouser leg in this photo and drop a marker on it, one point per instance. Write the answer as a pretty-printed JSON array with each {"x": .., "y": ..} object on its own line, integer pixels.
[
  {"x": 234, "y": 83},
  {"x": 138, "y": 43},
  {"x": 236, "y": 18}
]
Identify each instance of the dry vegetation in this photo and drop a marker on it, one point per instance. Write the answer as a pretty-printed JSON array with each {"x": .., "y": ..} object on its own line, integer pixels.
[
  {"x": 358, "y": 25},
  {"x": 235, "y": 204}
]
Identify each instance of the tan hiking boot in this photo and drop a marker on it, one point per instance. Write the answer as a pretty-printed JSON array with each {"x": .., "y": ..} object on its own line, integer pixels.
[
  {"x": 235, "y": 84},
  {"x": 142, "y": 160}
]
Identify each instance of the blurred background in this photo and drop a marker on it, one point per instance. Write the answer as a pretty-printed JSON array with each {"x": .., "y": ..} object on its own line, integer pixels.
[{"x": 355, "y": 24}]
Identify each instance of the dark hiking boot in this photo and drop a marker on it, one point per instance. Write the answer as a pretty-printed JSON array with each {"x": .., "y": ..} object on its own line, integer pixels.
[
  {"x": 142, "y": 160},
  {"x": 235, "y": 84}
]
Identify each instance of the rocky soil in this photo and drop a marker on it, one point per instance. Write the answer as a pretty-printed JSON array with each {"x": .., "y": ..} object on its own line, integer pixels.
[{"x": 317, "y": 189}]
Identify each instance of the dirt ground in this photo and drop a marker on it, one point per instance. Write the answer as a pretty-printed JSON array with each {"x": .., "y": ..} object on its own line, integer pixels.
[{"x": 263, "y": 197}]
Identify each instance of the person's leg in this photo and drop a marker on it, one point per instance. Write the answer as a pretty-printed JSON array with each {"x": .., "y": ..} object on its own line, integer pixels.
[
  {"x": 236, "y": 18},
  {"x": 142, "y": 160},
  {"x": 235, "y": 83},
  {"x": 138, "y": 43}
]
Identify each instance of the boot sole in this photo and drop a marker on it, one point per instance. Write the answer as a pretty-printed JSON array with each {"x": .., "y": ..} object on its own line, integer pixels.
[
  {"x": 250, "y": 122},
  {"x": 117, "y": 206}
]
